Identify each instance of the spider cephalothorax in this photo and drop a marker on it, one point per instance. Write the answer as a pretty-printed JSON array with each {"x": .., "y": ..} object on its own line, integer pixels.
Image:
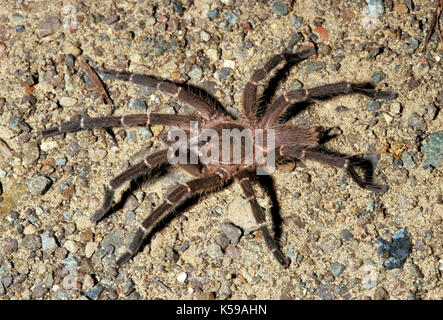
[{"x": 202, "y": 151}]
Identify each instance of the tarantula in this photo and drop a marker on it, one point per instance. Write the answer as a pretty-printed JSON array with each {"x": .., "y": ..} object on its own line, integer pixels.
[{"x": 291, "y": 141}]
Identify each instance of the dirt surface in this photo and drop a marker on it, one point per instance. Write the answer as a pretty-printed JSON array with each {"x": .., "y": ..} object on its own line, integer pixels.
[{"x": 329, "y": 226}]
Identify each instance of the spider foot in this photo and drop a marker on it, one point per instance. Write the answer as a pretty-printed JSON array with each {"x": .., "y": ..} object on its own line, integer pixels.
[
  {"x": 368, "y": 90},
  {"x": 281, "y": 258},
  {"x": 376, "y": 188},
  {"x": 99, "y": 214}
]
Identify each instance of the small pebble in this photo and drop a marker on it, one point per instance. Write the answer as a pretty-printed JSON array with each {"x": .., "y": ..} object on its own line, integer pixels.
[
  {"x": 337, "y": 269},
  {"x": 129, "y": 287},
  {"x": 138, "y": 104},
  {"x": 398, "y": 250},
  {"x": 408, "y": 161},
  {"x": 32, "y": 242},
  {"x": 30, "y": 229},
  {"x": 7, "y": 281},
  {"x": 130, "y": 218},
  {"x": 182, "y": 277},
  {"x": 95, "y": 292},
  {"x": 60, "y": 162},
  {"x": 172, "y": 255},
  {"x": 113, "y": 18},
  {"x": 10, "y": 246},
  {"x": 395, "y": 108},
  {"x": 60, "y": 253},
  {"x": 204, "y": 35},
  {"x": 39, "y": 292},
  {"x": 417, "y": 122},
  {"x": 196, "y": 74},
  {"x": 381, "y": 294},
  {"x": 29, "y": 100},
  {"x": 415, "y": 271},
  {"x": 68, "y": 102},
  {"x": 90, "y": 248},
  {"x": 48, "y": 242},
  {"x": 280, "y": 8},
  {"x": 306, "y": 177},
  {"x": 97, "y": 154},
  {"x": 313, "y": 66},
  {"x": 69, "y": 48},
  {"x": 239, "y": 210},
  {"x": 178, "y": 7},
  {"x": 38, "y": 185},
  {"x": 214, "y": 251},
  {"x": 222, "y": 240},
  {"x": 2, "y": 49},
  {"x": 21, "y": 266},
  {"x": 88, "y": 282},
  {"x": 412, "y": 45},
  {"x": 70, "y": 262},
  {"x": 378, "y": 76},
  {"x": 373, "y": 105},
  {"x": 433, "y": 149},
  {"x": 375, "y": 8},
  {"x": 212, "y": 14},
  {"x": 400, "y": 7},
  {"x": 222, "y": 74},
  {"x": 232, "y": 232},
  {"x": 48, "y": 26},
  {"x": 71, "y": 246},
  {"x": 31, "y": 152},
  {"x": 233, "y": 252}
]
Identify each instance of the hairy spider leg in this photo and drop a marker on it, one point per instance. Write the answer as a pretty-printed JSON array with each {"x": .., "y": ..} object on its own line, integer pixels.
[
  {"x": 83, "y": 122},
  {"x": 250, "y": 101},
  {"x": 207, "y": 110},
  {"x": 279, "y": 106},
  {"x": 333, "y": 160},
  {"x": 178, "y": 195}
]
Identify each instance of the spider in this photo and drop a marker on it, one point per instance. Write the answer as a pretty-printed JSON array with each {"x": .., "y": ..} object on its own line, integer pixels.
[{"x": 296, "y": 142}]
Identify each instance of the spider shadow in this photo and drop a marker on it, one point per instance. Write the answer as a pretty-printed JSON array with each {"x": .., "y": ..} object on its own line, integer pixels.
[
  {"x": 267, "y": 183},
  {"x": 141, "y": 181}
]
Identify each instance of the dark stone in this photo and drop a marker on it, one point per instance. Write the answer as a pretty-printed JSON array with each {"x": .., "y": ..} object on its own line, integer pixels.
[{"x": 398, "y": 250}]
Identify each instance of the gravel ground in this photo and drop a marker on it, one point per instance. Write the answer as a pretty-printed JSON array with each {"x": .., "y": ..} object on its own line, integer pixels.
[{"x": 344, "y": 242}]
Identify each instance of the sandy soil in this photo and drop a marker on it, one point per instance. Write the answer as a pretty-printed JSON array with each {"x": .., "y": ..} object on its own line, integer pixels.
[{"x": 317, "y": 204}]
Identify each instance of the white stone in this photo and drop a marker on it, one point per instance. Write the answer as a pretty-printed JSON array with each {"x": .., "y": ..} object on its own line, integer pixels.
[
  {"x": 182, "y": 277},
  {"x": 212, "y": 55},
  {"x": 48, "y": 145},
  {"x": 83, "y": 223},
  {"x": 71, "y": 246},
  {"x": 67, "y": 102},
  {"x": 90, "y": 249},
  {"x": 395, "y": 108},
  {"x": 30, "y": 229},
  {"x": 388, "y": 117},
  {"x": 229, "y": 64}
]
